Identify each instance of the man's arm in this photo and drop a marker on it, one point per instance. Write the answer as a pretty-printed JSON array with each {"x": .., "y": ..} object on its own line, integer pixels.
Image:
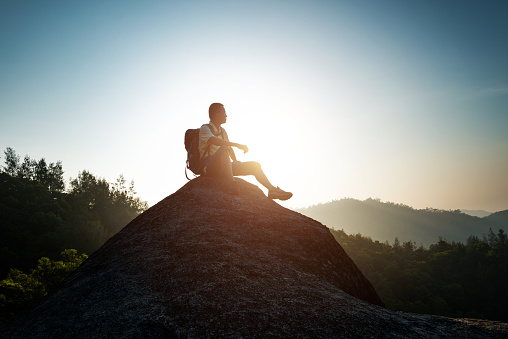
[
  {"x": 221, "y": 142},
  {"x": 232, "y": 154}
]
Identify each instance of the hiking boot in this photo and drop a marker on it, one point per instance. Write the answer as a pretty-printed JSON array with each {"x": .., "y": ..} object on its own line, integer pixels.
[
  {"x": 277, "y": 193},
  {"x": 233, "y": 188}
]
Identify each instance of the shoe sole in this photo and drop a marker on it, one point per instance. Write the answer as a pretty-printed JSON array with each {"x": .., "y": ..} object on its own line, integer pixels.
[{"x": 281, "y": 196}]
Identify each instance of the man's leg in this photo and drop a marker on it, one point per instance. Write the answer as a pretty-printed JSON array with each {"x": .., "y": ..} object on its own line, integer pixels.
[{"x": 252, "y": 168}]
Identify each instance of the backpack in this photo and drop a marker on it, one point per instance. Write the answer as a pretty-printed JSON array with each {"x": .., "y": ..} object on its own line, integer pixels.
[
  {"x": 191, "y": 145},
  {"x": 193, "y": 156}
]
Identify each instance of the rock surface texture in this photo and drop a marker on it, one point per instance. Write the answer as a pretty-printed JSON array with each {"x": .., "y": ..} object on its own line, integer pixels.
[{"x": 205, "y": 264}]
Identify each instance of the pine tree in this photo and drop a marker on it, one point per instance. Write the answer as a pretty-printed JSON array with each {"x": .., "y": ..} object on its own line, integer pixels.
[{"x": 11, "y": 162}]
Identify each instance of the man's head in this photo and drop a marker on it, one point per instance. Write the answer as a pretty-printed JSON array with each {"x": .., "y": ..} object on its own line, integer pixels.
[{"x": 217, "y": 113}]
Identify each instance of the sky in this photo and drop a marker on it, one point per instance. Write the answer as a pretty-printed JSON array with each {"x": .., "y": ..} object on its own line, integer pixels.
[{"x": 404, "y": 101}]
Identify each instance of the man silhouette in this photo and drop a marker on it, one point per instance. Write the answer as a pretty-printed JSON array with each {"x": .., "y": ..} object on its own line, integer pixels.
[{"x": 216, "y": 153}]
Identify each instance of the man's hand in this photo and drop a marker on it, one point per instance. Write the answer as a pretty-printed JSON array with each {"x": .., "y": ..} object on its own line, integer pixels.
[{"x": 244, "y": 148}]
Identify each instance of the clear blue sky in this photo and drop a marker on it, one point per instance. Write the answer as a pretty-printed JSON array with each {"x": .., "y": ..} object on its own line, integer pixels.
[{"x": 406, "y": 101}]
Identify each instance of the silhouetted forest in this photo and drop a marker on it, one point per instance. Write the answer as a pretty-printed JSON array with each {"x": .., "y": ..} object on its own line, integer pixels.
[
  {"x": 40, "y": 218},
  {"x": 384, "y": 221},
  {"x": 450, "y": 278}
]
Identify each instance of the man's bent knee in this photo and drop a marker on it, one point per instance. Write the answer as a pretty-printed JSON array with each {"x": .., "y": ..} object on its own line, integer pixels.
[
  {"x": 222, "y": 153},
  {"x": 253, "y": 166},
  {"x": 222, "y": 150},
  {"x": 256, "y": 166},
  {"x": 216, "y": 164}
]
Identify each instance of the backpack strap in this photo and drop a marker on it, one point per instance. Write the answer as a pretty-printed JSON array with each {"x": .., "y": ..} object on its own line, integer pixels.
[{"x": 221, "y": 132}]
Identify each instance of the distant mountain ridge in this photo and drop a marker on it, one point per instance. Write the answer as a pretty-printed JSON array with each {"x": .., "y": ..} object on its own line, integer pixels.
[
  {"x": 477, "y": 213},
  {"x": 384, "y": 221}
]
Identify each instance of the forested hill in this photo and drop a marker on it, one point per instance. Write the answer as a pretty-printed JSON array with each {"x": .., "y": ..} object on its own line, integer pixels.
[
  {"x": 39, "y": 217},
  {"x": 385, "y": 221}
]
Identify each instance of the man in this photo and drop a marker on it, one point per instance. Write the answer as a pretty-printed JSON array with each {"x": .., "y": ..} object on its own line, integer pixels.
[{"x": 216, "y": 153}]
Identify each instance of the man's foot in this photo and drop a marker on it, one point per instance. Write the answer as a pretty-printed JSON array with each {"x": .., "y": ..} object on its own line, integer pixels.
[
  {"x": 233, "y": 188},
  {"x": 277, "y": 193}
]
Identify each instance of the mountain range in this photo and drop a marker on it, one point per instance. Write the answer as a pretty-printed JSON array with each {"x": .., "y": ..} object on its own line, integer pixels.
[
  {"x": 385, "y": 221},
  {"x": 477, "y": 213}
]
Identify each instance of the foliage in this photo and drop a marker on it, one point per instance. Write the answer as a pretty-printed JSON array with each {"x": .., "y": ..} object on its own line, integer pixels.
[
  {"x": 450, "y": 278},
  {"x": 19, "y": 290},
  {"x": 38, "y": 219},
  {"x": 113, "y": 205},
  {"x": 50, "y": 176}
]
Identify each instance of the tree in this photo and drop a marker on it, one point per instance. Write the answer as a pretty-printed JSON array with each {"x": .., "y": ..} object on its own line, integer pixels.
[
  {"x": 55, "y": 177},
  {"x": 409, "y": 246},
  {"x": 41, "y": 172},
  {"x": 113, "y": 205},
  {"x": 449, "y": 278},
  {"x": 20, "y": 290},
  {"x": 501, "y": 236},
  {"x": 92, "y": 191},
  {"x": 473, "y": 239},
  {"x": 27, "y": 169},
  {"x": 124, "y": 195},
  {"x": 396, "y": 244},
  {"x": 493, "y": 239},
  {"x": 50, "y": 176},
  {"x": 11, "y": 162},
  {"x": 37, "y": 218}
]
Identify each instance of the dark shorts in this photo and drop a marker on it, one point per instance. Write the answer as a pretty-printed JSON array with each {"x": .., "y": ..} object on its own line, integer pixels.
[{"x": 214, "y": 165}]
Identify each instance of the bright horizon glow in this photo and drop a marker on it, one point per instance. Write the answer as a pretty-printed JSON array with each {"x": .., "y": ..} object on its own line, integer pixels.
[{"x": 405, "y": 102}]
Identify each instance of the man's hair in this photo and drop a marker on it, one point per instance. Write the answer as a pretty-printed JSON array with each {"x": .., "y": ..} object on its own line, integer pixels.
[{"x": 214, "y": 109}]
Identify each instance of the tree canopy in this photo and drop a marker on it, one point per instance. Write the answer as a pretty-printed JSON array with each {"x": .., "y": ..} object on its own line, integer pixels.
[
  {"x": 48, "y": 175},
  {"x": 19, "y": 290},
  {"x": 450, "y": 278},
  {"x": 39, "y": 218}
]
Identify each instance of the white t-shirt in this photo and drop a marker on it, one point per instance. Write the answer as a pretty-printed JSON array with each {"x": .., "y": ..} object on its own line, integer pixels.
[{"x": 205, "y": 133}]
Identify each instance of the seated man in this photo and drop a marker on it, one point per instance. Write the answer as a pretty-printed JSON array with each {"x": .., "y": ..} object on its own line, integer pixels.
[{"x": 216, "y": 152}]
